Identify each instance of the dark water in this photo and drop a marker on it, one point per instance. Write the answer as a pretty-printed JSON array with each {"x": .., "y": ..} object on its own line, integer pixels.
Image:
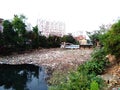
[{"x": 22, "y": 77}]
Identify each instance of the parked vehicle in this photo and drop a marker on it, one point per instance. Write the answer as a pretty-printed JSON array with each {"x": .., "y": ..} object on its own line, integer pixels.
[{"x": 70, "y": 46}]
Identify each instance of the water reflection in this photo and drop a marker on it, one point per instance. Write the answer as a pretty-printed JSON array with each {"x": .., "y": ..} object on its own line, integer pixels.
[{"x": 22, "y": 77}]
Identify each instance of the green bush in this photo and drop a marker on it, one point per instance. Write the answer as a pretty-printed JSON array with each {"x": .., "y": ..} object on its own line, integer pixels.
[
  {"x": 94, "y": 85},
  {"x": 78, "y": 81},
  {"x": 97, "y": 64}
]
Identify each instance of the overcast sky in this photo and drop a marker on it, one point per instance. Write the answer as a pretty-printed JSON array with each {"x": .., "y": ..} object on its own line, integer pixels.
[{"x": 77, "y": 15}]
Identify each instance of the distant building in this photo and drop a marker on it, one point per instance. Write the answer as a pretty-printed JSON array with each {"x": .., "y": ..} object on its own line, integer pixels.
[
  {"x": 81, "y": 37},
  {"x": 51, "y": 28},
  {"x": 1, "y": 27}
]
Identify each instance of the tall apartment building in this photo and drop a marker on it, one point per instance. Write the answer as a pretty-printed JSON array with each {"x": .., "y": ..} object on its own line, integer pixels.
[{"x": 51, "y": 28}]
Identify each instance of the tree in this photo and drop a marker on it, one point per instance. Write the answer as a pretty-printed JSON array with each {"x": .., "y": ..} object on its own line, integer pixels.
[
  {"x": 96, "y": 36},
  {"x": 43, "y": 41},
  {"x": 111, "y": 40},
  {"x": 53, "y": 41},
  {"x": 1, "y": 42},
  {"x": 19, "y": 28},
  {"x": 19, "y": 25},
  {"x": 9, "y": 33},
  {"x": 68, "y": 38},
  {"x": 36, "y": 38}
]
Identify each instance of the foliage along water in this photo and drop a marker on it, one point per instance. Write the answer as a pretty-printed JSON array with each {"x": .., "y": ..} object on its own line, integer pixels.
[{"x": 22, "y": 77}]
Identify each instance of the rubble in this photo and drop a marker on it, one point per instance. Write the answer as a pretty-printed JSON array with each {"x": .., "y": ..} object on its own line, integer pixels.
[{"x": 112, "y": 76}]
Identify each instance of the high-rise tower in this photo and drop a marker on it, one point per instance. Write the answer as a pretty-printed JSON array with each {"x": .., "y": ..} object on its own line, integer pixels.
[{"x": 51, "y": 27}]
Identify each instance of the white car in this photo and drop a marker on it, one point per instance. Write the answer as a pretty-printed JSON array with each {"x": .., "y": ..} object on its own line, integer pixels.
[{"x": 70, "y": 46}]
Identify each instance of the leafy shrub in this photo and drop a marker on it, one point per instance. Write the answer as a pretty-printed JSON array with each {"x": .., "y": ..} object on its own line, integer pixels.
[
  {"x": 94, "y": 85},
  {"x": 95, "y": 66},
  {"x": 78, "y": 81},
  {"x": 98, "y": 63}
]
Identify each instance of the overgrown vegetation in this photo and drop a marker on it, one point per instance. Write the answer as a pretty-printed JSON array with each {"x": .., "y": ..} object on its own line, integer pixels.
[
  {"x": 86, "y": 77},
  {"x": 108, "y": 37},
  {"x": 111, "y": 40},
  {"x": 98, "y": 62}
]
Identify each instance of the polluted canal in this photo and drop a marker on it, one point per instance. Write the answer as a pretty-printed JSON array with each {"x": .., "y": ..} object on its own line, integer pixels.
[{"x": 22, "y": 77}]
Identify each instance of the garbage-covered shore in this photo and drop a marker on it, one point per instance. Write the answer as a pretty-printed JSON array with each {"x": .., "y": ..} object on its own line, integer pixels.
[{"x": 49, "y": 57}]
